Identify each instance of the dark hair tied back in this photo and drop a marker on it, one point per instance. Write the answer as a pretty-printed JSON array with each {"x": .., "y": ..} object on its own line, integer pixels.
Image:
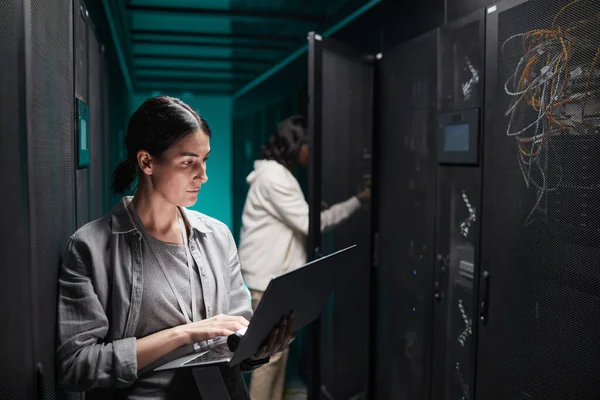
[
  {"x": 285, "y": 144},
  {"x": 154, "y": 127},
  {"x": 124, "y": 175}
]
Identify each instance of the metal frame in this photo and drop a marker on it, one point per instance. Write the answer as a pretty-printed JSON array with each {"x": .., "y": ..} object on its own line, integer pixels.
[
  {"x": 315, "y": 88},
  {"x": 200, "y": 58},
  {"x": 198, "y": 90},
  {"x": 184, "y": 85},
  {"x": 489, "y": 111},
  {"x": 199, "y": 69},
  {"x": 346, "y": 50},
  {"x": 191, "y": 79},
  {"x": 374, "y": 281},
  {"x": 216, "y": 12},
  {"x": 237, "y": 45},
  {"x": 219, "y": 35}
]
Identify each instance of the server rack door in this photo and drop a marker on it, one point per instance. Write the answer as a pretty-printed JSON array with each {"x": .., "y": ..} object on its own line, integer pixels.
[
  {"x": 405, "y": 202},
  {"x": 458, "y": 205},
  {"x": 342, "y": 132},
  {"x": 17, "y": 377},
  {"x": 51, "y": 171},
  {"x": 541, "y": 221}
]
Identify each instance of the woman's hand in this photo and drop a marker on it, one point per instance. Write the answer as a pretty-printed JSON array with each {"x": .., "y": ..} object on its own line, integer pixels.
[
  {"x": 153, "y": 347},
  {"x": 279, "y": 339},
  {"x": 364, "y": 196},
  {"x": 219, "y": 325}
]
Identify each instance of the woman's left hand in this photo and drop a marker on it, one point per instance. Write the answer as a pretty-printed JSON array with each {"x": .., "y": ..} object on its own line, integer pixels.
[{"x": 279, "y": 339}]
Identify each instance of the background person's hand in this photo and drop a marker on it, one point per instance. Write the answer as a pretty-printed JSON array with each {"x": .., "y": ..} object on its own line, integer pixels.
[
  {"x": 364, "y": 196},
  {"x": 279, "y": 339},
  {"x": 210, "y": 328}
]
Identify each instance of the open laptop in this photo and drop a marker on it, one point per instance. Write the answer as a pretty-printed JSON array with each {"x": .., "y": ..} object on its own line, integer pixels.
[{"x": 304, "y": 291}]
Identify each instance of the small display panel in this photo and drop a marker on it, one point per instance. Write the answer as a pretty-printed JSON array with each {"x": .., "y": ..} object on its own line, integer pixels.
[
  {"x": 456, "y": 137},
  {"x": 83, "y": 134}
]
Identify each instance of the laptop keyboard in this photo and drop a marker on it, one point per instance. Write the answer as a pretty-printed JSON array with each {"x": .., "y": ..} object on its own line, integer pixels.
[{"x": 219, "y": 353}]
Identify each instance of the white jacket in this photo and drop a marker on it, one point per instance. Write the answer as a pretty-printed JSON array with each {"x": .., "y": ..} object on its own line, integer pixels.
[{"x": 275, "y": 224}]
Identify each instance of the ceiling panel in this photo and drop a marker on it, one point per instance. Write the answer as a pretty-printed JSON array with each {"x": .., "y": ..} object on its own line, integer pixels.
[
  {"x": 217, "y": 51},
  {"x": 221, "y": 45}
]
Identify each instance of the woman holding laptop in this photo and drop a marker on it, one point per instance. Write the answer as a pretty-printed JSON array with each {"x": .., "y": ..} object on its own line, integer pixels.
[{"x": 151, "y": 278}]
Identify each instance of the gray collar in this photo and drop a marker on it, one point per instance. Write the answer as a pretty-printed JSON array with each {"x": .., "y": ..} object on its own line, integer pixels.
[{"x": 123, "y": 223}]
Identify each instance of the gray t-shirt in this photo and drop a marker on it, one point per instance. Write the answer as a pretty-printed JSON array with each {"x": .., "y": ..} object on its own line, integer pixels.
[{"x": 160, "y": 310}]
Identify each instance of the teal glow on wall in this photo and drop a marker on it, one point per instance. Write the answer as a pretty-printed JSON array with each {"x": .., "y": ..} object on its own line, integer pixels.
[{"x": 215, "y": 198}]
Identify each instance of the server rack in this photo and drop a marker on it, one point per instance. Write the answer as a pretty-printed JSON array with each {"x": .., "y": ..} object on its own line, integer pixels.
[{"x": 541, "y": 237}]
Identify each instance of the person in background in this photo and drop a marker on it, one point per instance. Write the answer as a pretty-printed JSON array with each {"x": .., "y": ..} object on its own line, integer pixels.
[
  {"x": 274, "y": 228},
  {"x": 151, "y": 278}
]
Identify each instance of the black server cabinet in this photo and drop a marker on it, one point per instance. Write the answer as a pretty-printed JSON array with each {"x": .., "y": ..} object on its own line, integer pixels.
[
  {"x": 541, "y": 215},
  {"x": 458, "y": 137},
  {"x": 17, "y": 367},
  {"x": 341, "y": 130},
  {"x": 405, "y": 202},
  {"x": 51, "y": 177}
]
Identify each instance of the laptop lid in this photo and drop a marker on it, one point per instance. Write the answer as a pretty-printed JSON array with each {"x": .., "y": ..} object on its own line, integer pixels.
[{"x": 304, "y": 291}]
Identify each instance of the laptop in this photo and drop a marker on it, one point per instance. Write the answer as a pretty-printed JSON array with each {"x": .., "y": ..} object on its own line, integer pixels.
[{"x": 304, "y": 291}]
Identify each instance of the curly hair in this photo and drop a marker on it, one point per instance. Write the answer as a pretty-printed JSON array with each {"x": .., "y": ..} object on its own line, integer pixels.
[{"x": 285, "y": 144}]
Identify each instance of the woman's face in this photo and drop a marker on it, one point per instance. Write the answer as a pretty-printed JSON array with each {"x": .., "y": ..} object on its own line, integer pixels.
[
  {"x": 303, "y": 156},
  {"x": 180, "y": 171}
]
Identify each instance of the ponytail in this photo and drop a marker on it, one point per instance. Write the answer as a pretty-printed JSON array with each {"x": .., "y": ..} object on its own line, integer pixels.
[{"x": 124, "y": 175}]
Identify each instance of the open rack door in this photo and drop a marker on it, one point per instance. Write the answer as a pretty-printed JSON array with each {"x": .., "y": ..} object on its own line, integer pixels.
[
  {"x": 341, "y": 136},
  {"x": 405, "y": 206}
]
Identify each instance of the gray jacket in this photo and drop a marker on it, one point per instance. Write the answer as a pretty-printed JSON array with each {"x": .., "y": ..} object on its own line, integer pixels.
[{"x": 100, "y": 292}]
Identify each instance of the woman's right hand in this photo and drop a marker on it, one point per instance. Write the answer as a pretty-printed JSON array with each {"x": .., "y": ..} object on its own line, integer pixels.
[
  {"x": 153, "y": 347},
  {"x": 210, "y": 328},
  {"x": 364, "y": 196}
]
